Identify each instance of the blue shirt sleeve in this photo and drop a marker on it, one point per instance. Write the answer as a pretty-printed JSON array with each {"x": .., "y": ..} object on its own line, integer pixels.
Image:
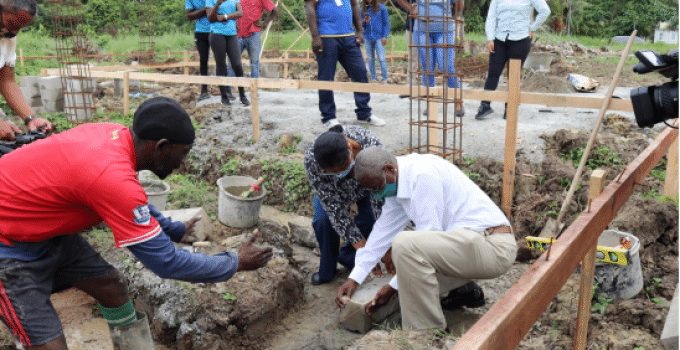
[
  {"x": 167, "y": 261},
  {"x": 386, "y": 23},
  {"x": 188, "y": 5},
  {"x": 174, "y": 229}
]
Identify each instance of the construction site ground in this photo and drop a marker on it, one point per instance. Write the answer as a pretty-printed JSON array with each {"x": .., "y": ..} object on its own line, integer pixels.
[{"x": 278, "y": 308}]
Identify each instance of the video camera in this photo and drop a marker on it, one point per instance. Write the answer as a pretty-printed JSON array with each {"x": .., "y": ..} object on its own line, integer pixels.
[
  {"x": 20, "y": 140},
  {"x": 657, "y": 103}
]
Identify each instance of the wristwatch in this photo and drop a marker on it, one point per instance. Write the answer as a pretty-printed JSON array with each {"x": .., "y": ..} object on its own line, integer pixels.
[{"x": 27, "y": 120}]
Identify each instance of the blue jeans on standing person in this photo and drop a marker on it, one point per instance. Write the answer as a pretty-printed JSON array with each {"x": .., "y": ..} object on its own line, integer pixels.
[
  {"x": 329, "y": 241},
  {"x": 373, "y": 47},
  {"x": 253, "y": 45},
  {"x": 436, "y": 56},
  {"x": 346, "y": 51}
]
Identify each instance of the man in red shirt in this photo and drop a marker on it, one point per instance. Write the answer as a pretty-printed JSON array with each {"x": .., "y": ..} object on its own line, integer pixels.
[
  {"x": 249, "y": 27},
  {"x": 89, "y": 176}
]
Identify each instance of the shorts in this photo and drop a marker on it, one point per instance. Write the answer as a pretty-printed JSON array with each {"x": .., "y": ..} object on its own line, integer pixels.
[{"x": 26, "y": 286}]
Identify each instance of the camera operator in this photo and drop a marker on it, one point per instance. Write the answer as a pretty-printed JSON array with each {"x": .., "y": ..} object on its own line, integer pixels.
[{"x": 14, "y": 15}]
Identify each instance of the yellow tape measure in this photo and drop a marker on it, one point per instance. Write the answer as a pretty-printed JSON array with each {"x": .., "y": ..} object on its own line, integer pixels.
[{"x": 603, "y": 254}]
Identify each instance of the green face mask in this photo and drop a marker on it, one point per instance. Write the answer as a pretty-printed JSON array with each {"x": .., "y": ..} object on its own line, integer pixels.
[{"x": 390, "y": 190}]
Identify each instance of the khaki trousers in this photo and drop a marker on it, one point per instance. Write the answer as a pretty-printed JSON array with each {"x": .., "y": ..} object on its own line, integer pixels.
[{"x": 431, "y": 263}]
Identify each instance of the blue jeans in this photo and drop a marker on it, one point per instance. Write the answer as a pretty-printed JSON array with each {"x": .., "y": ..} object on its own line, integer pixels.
[
  {"x": 329, "y": 241},
  {"x": 436, "y": 56},
  {"x": 346, "y": 51},
  {"x": 253, "y": 45},
  {"x": 373, "y": 47}
]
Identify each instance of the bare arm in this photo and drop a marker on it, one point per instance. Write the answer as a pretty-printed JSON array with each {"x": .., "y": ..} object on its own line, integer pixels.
[
  {"x": 310, "y": 11},
  {"x": 274, "y": 15},
  {"x": 12, "y": 93},
  {"x": 356, "y": 17},
  {"x": 404, "y": 5},
  {"x": 460, "y": 6},
  {"x": 212, "y": 13},
  {"x": 237, "y": 14},
  {"x": 196, "y": 14}
]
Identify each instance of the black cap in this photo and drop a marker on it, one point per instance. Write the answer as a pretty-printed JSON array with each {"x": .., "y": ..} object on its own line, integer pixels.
[{"x": 163, "y": 118}]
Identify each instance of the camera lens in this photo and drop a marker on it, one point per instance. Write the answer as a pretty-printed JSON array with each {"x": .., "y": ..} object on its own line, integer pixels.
[{"x": 666, "y": 100}]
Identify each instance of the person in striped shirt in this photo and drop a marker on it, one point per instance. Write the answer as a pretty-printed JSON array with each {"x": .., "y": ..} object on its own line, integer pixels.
[{"x": 460, "y": 235}]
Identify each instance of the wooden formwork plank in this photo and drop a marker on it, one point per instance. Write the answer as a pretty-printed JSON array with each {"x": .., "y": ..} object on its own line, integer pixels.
[
  {"x": 587, "y": 272},
  {"x": 511, "y": 317},
  {"x": 670, "y": 185},
  {"x": 510, "y": 153},
  {"x": 255, "y": 111},
  {"x": 126, "y": 93}
]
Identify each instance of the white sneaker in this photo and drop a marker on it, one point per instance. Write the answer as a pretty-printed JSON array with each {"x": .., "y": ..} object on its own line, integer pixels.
[
  {"x": 331, "y": 123},
  {"x": 373, "y": 120}
]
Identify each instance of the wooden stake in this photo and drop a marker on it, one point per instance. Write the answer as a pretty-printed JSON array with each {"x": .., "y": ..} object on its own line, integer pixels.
[
  {"x": 509, "y": 160},
  {"x": 285, "y": 65},
  {"x": 670, "y": 185},
  {"x": 266, "y": 35},
  {"x": 432, "y": 131},
  {"x": 21, "y": 56},
  {"x": 255, "y": 110},
  {"x": 591, "y": 141},
  {"x": 587, "y": 272},
  {"x": 186, "y": 61},
  {"x": 283, "y": 4},
  {"x": 126, "y": 93}
]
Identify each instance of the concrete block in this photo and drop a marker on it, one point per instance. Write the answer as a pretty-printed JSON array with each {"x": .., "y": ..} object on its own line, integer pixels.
[
  {"x": 82, "y": 328},
  {"x": 81, "y": 85},
  {"x": 299, "y": 227},
  {"x": 52, "y": 106},
  {"x": 29, "y": 86},
  {"x": 35, "y": 101},
  {"x": 354, "y": 318},
  {"x": 78, "y": 99},
  {"x": 669, "y": 335},
  {"x": 79, "y": 114},
  {"x": 539, "y": 61},
  {"x": 50, "y": 89},
  {"x": 201, "y": 228}
]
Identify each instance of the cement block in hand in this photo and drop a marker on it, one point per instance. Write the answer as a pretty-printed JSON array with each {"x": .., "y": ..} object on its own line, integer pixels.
[
  {"x": 669, "y": 336},
  {"x": 201, "y": 228},
  {"x": 353, "y": 316}
]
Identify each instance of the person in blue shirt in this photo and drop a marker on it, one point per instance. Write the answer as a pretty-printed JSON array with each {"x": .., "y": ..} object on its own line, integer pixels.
[
  {"x": 195, "y": 10},
  {"x": 337, "y": 33},
  {"x": 222, "y": 15},
  {"x": 376, "y": 29},
  {"x": 433, "y": 34},
  {"x": 509, "y": 31}
]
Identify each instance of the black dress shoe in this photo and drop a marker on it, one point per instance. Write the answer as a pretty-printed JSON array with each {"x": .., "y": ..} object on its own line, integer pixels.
[
  {"x": 316, "y": 280},
  {"x": 469, "y": 295}
]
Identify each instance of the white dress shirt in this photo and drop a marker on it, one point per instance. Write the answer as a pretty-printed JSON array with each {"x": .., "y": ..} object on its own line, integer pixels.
[
  {"x": 511, "y": 19},
  {"x": 436, "y": 196},
  {"x": 8, "y": 52}
]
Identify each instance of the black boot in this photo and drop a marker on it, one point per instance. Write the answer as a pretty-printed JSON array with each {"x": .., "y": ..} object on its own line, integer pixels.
[
  {"x": 226, "y": 101},
  {"x": 483, "y": 111},
  {"x": 469, "y": 295},
  {"x": 229, "y": 94},
  {"x": 242, "y": 95}
]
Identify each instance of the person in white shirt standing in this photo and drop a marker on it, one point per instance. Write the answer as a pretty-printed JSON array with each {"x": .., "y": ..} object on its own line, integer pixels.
[
  {"x": 460, "y": 235},
  {"x": 14, "y": 15}
]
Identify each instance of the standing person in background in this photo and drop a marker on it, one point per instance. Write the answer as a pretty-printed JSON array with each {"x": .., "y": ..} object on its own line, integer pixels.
[
  {"x": 438, "y": 30},
  {"x": 377, "y": 29},
  {"x": 337, "y": 33},
  {"x": 249, "y": 27},
  {"x": 509, "y": 32},
  {"x": 196, "y": 11},
  {"x": 222, "y": 15},
  {"x": 14, "y": 15}
]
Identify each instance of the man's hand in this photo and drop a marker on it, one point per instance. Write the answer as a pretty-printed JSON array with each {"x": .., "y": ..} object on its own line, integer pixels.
[
  {"x": 490, "y": 46},
  {"x": 8, "y": 130},
  {"x": 251, "y": 257},
  {"x": 346, "y": 289},
  {"x": 389, "y": 264},
  {"x": 414, "y": 11},
  {"x": 531, "y": 35},
  {"x": 384, "y": 41},
  {"x": 317, "y": 45},
  {"x": 381, "y": 298},
  {"x": 377, "y": 270},
  {"x": 359, "y": 244},
  {"x": 360, "y": 38},
  {"x": 189, "y": 227},
  {"x": 43, "y": 125}
]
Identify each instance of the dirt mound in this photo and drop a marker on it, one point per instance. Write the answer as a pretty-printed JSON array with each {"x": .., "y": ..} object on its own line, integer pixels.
[{"x": 545, "y": 82}]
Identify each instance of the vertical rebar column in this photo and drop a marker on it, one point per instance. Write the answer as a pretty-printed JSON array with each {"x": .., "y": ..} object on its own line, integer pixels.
[
  {"x": 146, "y": 14},
  {"x": 436, "y": 86},
  {"x": 71, "y": 47}
]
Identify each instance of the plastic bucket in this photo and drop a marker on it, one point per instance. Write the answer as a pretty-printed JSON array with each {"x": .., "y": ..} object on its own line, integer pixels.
[
  {"x": 157, "y": 192},
  {"x": 234, "y": 210},
  {"x": 616, "y": 281}
]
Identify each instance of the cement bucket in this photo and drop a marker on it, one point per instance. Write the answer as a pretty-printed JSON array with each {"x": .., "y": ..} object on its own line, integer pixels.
[
  {"x": 234, "y": 210},
  {"x": 616, "y": 281},
  {"x": 157, "y": 192}
]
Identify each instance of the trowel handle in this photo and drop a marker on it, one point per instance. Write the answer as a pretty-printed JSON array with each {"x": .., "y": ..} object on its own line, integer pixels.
[{"x": 253, "y": 188}]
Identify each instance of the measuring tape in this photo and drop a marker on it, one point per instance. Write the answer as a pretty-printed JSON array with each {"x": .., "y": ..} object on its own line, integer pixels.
[{"x": 603, "y": 254}]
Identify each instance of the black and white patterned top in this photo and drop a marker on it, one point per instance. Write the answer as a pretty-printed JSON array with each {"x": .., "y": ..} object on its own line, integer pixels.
[{"x": 337, "y": 195}]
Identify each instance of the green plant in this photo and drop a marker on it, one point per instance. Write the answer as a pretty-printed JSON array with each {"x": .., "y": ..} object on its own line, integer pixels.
[
  {"x": 291, "y": 176},
  {"x": 600, "y": 301},
  {"x": 189, "y": 191},
  {"x": 474, "y": 176},
  {"x": 652, "y": 288},
  {"x": 229, "y": 297},
  {"x": 292, "y": 146},
  {"x": 601, "y": 156},
  {"x": 231, "y": 166}
]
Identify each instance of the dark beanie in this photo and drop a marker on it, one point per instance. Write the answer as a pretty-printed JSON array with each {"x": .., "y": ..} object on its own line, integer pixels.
[{"x": 163, "y": 118}]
